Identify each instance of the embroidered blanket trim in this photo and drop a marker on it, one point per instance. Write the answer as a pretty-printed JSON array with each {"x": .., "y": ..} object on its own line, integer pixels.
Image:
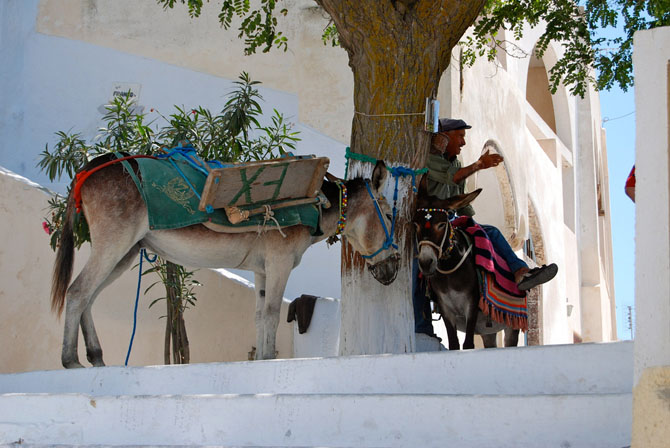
[
  {"x": 502, "y": 307},
  {"x": 500, "y": 297}
]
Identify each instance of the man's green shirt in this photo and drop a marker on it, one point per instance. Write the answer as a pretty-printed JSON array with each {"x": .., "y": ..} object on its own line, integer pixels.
[{"x": 441, "y": 180}]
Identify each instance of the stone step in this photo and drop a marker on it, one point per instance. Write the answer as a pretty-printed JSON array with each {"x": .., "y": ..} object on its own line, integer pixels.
[
  {"x": 558, "y": 370},
  {"x": 336, "y": 420}
]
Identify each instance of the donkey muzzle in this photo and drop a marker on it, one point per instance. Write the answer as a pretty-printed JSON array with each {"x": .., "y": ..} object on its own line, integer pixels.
[
  {"x": 427, "y": 262},
  {"x": 386, "y": 270},
  {"x": 427, "y": 268}
]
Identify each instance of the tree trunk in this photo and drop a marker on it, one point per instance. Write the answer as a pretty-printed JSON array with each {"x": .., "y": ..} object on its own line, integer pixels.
[
  {"x": 175, "y": 327},
  {"x": 398, "y": 50}
]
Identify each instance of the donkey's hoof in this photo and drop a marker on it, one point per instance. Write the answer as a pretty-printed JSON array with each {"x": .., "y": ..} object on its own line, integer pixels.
[
  {"x": 95, "y": 358},
  {"x": 72, "y": 365}
]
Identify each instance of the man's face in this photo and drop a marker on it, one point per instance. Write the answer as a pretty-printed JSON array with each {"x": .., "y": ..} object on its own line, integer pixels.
[{"x": 456, "y": 141}]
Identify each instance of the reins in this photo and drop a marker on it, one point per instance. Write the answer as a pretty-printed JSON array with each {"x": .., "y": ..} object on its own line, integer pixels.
[{"x": 462, "y": 260}]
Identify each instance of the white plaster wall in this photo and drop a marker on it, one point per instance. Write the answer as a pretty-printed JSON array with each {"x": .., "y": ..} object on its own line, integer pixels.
[
  {"x": 220, "y": 327},
  {"x": 587, "y": 232},
  {"x": 323, "y": 334},
  {"x": 573, "y": 309},
  {"x": 652, "y": 211},
  {"x": 489, "y": 203}
]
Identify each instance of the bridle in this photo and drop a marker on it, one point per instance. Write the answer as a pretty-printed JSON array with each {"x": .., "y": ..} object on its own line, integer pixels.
[
  {"x": 388, "y": 240},
  {"x": 441, "y": 253},
  {"x": 450, "y": 236},
  {"x": 342, "y": 221}
]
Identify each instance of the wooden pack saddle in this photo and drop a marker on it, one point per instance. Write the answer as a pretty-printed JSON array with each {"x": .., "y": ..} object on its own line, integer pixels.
[{"x": 246, "y": 189}]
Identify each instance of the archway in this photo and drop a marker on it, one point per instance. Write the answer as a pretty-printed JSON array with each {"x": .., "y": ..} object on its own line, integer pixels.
[
  {"x": 496, "y": 205},
  {"x": 554, "y": 109}
]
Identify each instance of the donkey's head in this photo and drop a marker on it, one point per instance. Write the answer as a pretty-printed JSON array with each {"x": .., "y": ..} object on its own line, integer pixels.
[
  {"x": 368, "y": 227},
  {"x": 434, "y": 233}
]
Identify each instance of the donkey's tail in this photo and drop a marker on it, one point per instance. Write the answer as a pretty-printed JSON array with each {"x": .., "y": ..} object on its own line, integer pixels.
[{"x": 62, "y": 273}]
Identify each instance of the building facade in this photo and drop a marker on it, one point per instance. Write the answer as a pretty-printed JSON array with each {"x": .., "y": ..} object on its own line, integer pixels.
[{"x": 63, "y": 59}]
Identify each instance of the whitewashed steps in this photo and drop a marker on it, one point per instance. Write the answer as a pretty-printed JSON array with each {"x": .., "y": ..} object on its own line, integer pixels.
[
  {"x": 560, "y": 396},
  {"x": 558, "y": 369},
  {"x": 320, "y": 420}
]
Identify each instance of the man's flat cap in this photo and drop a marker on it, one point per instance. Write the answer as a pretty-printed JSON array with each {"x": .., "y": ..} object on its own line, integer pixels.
[{"x": 452, "y": 124}]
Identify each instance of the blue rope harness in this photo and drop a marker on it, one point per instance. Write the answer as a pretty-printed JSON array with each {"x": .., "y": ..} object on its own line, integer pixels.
[
  {"x": 143, "y": 254},
  {"x": 187, "y": 153},
  {"x": 388, "y": 241},
  {"x": 396, "y": 172}
]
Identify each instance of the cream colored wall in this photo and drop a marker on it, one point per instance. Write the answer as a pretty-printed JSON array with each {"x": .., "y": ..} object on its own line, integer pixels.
[
  {"x": 538, "y": 96},
  {"x": 319, "y": 75},
  {"x": 220, "y": 327}
]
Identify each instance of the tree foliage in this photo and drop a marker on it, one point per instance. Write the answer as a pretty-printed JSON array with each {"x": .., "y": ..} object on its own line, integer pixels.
[
  {"x": 258, "y": 26},
  {"x": 578, "y": 25}
]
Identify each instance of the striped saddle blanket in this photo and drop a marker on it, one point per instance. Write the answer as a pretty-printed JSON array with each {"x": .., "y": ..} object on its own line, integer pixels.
[{"x": 500, "y": 297}]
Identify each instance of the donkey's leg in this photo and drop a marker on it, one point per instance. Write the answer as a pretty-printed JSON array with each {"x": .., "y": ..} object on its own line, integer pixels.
[
  {"x": 452, "y": 335},
  {"x": 490, "y": 340},
  {"x": 101, "y": 263},
  {"x": 259, "y": 280},
  {"x": 277, "y": 273},
  {"x": 511, "y": 337},
  {"x": 470, "y": 323},
  {"x": 78, "y": 297},
  {"x": 93, "y": 348}
]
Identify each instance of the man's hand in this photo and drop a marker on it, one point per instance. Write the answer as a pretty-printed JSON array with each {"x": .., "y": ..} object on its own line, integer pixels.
[
  {"x": 485, "y": 161},
  {"x": 488, "y": 160}
]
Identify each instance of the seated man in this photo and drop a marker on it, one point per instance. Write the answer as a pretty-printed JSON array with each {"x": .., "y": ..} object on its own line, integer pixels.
[{"x": 446, "y": 178}]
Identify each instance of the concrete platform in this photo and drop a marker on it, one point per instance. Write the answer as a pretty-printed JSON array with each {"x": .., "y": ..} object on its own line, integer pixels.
[{"x": 550, "y": 396}]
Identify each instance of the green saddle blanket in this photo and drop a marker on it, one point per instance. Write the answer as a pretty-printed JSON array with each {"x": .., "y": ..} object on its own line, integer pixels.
[{"x": 173, "y": 203}]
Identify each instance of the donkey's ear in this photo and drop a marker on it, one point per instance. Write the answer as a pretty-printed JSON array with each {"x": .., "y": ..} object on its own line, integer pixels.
[
  {"x": 379, "y": 175},
  {"x": 333, "y": 178},
  {"x": 461, "y": 200}
]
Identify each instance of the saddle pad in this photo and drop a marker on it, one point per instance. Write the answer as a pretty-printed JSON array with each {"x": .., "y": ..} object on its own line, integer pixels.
[
  {"x": 486, "y": 257},
  {"x": 173, "y": 203},
  {"x": 502, "y": 307}
]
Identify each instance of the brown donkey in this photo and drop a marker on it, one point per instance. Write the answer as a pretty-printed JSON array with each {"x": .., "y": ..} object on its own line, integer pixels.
[{"x": 119, "y": 228}]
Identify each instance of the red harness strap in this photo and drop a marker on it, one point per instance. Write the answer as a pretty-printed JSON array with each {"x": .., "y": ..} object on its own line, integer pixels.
[{"x": 84, "y": 174}]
